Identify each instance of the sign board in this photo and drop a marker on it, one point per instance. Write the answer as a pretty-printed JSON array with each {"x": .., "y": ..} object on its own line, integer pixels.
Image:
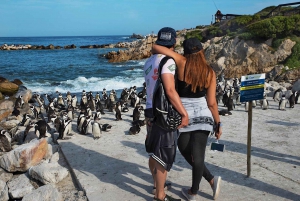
[{"x": 252, "y": 87}]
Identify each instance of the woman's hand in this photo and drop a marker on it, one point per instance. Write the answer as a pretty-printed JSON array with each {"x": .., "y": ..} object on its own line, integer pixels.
[{"x": 218, "y": 133}]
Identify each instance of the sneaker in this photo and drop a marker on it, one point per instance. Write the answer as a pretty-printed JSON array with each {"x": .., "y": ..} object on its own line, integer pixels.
[
  {"x": 167, "y": 198},
  {"x": 216, "y": 188},
  {"x": 167, "y": 187},
  {"x": 185, "y": 193}
]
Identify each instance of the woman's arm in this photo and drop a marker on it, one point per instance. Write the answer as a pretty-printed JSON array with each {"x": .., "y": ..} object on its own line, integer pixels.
[
  {"x": 179, "y": 59},
  {"x": 212, "y": 103}
]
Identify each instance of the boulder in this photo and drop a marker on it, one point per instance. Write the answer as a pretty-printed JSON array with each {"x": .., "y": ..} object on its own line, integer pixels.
[
  {"x": 48, "y": 172},
  {"x": 296, "y": 86},
  {"x": 45, "y": 193},
  {"x": 6, "y": 108},
  {"x": 8, "y": 88},
  {"x": 25, "y": 93},
  {"x": 8, "y": 125},
  {"x": 19, "y": 186},
  {"x": 3, "y": 191},
  {"x": 17, "y": 82},
  {"x": 1, "y": 96},
  {"x": 25, "y": 156},
  {"x": 5, "y": 176}
]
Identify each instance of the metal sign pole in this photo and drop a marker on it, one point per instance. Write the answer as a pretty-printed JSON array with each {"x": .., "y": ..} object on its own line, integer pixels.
[{"x": 249, "y": 139}]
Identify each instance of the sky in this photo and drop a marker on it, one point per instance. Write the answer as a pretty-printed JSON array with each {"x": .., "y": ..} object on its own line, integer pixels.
[{"x": 115, "y": 17}]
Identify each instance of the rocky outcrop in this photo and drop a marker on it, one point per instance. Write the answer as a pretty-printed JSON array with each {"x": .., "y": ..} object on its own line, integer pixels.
[
  {"x": 8, "y": 88},
  {"x": 3, "y": 191},
  {"x": 25, "y": 156},
  {"x": 6, "y": 108},
  {"x": 46, "y": 193},
  {"x": 19, "y": 187}
]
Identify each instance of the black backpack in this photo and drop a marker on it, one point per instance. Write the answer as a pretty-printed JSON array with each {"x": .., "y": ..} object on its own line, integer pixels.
[{"x": 165, "y": 115}]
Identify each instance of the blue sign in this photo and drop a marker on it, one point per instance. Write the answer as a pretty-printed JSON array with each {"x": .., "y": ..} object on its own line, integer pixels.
[{"x": 252, "y": 87}]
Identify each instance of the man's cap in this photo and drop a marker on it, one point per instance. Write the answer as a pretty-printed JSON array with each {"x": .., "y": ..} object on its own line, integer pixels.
[
  {"x": 166, "y": 37},
  {"x": 192, "y": 45}
]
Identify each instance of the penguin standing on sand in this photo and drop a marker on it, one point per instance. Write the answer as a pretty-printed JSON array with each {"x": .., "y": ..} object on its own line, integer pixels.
[
  {"x": 246, "y": 106},
  {"x": 134, "y": 129},
  {"x": 69, "y": 96},
  {"x": 41, "y": 127},
  {"x": 118, "y": 111},
  {"x": 99, "y": 106},
  {"x": 97, "y": 130},
  {"x": 282, "y": 103},
  {"x": 136, "y": 113},
  {"x": 292, "y": 99},
  {"x": 64, "y": 128},
  {"x": 87, "y": 126},
  {"x": 264, "y": 103},
  {"x": 276, "y": 95},
  {"x": 254, "y": 103},
  {"x": 60, "y": 100},
  {"x": 230, "y": 104},
  {"x": 26, "y": 120},
  {"x": 80, "y": 120},
  {"x": 74, "y": 101},
  {"x": 297, "y": 99}
]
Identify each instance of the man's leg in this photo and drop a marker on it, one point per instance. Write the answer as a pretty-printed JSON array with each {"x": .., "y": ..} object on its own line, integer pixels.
[
  {"x": 152, "y": 167},
  {"x": 160, "y": 176}
]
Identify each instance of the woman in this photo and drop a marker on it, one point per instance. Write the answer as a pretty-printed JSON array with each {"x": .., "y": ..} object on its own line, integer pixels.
[{"x": 197, "y": 91}]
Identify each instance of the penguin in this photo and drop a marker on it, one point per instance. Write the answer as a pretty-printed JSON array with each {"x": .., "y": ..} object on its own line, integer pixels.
[
  {"x": 91, "y": 101},
  {"x": 70, "y": 112},
  {"x": 238, "y": 99},
  {"x": 112, "y": 96},
  {"x": 254, "y": 103},
  {"x": 264, "y": 103},
  {"x": 97, "y": 96},
  {"x": 136, "y": 113},
  {"x": 292, "y": 99},
  {"x": 143, "y": 94},
  {"x": 5, "y": 141},
  {"x": 118, "y": 111},
  {"x": 41, "y": 127},
  {"x": 27, "y": 131},
  {"x": 139, "y": 122},
  {"x": 125, "y": 108},
  {"x": 106, "y": 101},
  {"x": 56, "y": 122},
  {"x": 87, "y": 126},
  {"x": 83, "y": 93},
  {"x": 26, "y": 120},
  {"x": 106, "y": 127},
  {"x": 104, "y": 93},
  {"x": 80, "y": 120},
  {"x": 124, "y": 95},
  {"x": 246, "y": 106},
  {"x": 50, "y": 113},
  {"x": 99, "y": 106},
  {"x": 19, "y": 102},
  {"x": 97, "y": 130},
  {"x": 34, "y": 111},
  {"x": 282, "y": 103},
  {"x": 89, "y": 111},
  {"x": 83, "y": 101},
  {"x": 60, "y": 100},
  {"x": 40, "y": 101},
  {"x": 225, "y": 98},
  {"x": 98, "y": 114},
  {"x": 134, "y": 130},
  {"x": 69, "y": 96},
  {"x": 64, "y": 129},
  {"x": 276, "y": 95},
  {"x": 224, "y": 112},
  {"x": 230, "y": 104},
  {"x": 297, "y": 99},
  {"x": 74, "y": 101}
]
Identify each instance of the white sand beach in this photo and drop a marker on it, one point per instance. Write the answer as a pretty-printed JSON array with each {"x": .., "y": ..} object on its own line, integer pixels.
[{"x": 115, "y": 167}]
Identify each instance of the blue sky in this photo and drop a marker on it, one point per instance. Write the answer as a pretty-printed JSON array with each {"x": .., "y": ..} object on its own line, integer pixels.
[{"x": 114, "y": 17}]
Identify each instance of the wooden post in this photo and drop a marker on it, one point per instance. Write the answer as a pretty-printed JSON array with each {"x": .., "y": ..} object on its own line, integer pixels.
[{"x": 249, "y": 139}]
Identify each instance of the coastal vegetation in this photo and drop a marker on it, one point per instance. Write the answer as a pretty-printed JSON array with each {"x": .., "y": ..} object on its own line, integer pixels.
[{"x": 258, "y": 28}]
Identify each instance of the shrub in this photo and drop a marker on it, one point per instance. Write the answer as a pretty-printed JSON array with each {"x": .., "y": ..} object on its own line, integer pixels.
[
  {"x": 293, "y": 61},
  {"x": 194, "y": 34}
]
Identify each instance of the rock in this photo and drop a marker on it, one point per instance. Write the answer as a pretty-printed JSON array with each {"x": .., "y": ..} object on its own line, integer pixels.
[
  {"x": 54, "y": 158},
  {"x": 25, "y": 93},
  {"x": 2, "y": 79},
  {"x": 52, "y": 149},
  {"x": 17, "y": 82},
  {"x": 5, "y": 176},
  {"x": 24, "y": 156},
  {"x": 1, "y": 96},
  {"x": 8, "y": 125},
  {"x": 296, "y": 86},
  {"x": 6, "y": 108},
  {"x": 3, "y": 191},
  {"x": 8, "y": 88},
  {"x": 19, "y": 187},
  {"x": 44, "y": 193},
  {"x": 48, "y": 172}
]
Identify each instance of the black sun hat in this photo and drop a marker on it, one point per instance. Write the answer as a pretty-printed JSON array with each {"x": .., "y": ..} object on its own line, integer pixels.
[
  {"x": 192, "y": 45},
  {"x": 166, "y": 37}
]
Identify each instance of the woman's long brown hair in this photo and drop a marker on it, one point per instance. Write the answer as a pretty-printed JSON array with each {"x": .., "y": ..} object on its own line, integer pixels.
[{"x": 197, "y": 72}]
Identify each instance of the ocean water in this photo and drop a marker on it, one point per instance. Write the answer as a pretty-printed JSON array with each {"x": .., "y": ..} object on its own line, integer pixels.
[{"x": 74, "y": 70}]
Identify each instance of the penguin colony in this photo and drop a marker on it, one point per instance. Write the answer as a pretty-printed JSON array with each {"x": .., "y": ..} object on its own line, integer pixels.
[
  {"x": 90, "y": 108},
  {"x": 228, "y": 95},
  {"x": 58, "y": 110}
]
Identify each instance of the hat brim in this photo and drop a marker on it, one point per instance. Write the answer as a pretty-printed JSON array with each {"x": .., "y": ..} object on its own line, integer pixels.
[{"x": 165, "y": 43}]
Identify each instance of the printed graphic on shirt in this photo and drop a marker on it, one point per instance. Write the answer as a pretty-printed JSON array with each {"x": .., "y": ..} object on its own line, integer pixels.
[
  {"x": 155, "y": 75},
  {"x": 172, "y": 67},
  {"x": 148, "y": 70}
]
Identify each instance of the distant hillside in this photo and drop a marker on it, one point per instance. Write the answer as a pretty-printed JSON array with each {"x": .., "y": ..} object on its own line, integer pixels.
[{"x": 258, "y": 29}]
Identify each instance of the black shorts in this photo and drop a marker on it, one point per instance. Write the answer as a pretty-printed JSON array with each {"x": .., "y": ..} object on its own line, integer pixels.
[{"x": 161, "y": 145}]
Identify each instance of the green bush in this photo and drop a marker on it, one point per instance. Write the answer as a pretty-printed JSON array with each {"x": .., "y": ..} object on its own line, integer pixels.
[
  {"x": 194, "y": 34},
  {"x": 293, "y": 61}
]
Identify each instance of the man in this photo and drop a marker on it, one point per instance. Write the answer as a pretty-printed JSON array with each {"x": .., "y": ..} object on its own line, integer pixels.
[{"x": 161, "y": 159}]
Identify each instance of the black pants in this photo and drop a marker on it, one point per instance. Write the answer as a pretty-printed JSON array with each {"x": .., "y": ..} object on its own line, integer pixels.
[{"x": 192, "y": 146}]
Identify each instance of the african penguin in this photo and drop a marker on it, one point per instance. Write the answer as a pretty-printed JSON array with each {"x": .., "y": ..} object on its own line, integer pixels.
[
  {"x": 106, "y": 127},
  {"x": 97, "y": 130},
  {"x": 5, "y": 142},
  {"x": 87, "y": 126},
  {"x": 292, "y": 99},
  {"x": 118, "y": 111},
  {"x": 19, "y": 102},
  {"x": 134, "y": 130},
  {"x": 276, "y": 95},
  {"x": 282, "y": 103}
]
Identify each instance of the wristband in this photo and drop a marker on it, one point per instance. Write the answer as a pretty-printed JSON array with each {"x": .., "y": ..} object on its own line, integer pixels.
[{"x": 220, "y": 124}]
